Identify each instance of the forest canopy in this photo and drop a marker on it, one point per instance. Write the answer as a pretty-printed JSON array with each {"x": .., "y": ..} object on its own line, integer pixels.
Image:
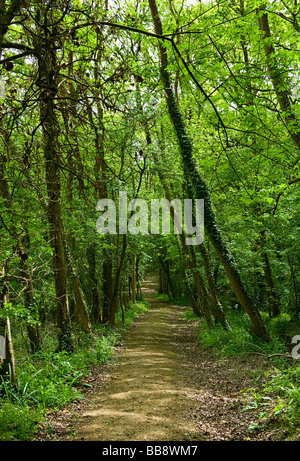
[{"x": 163, "y": 100}]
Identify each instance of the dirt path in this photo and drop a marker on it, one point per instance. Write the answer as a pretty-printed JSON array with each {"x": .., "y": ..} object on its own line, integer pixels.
[
  {"x": 164, "y": 387},
  {"x": 143, "y": 400}
]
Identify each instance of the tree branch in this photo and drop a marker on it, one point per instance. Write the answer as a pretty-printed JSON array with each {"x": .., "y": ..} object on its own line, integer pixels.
[{"x": 13, "y": 58}]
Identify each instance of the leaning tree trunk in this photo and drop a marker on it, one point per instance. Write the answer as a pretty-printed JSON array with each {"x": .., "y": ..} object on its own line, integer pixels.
[
  {"x": 202, "y": 296},
  {"x": 197, "y": 184}
]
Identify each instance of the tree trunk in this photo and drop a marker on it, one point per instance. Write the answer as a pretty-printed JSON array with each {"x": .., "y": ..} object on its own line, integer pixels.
[
  {"x": 274, "y": 304},
  {"x": 160, "y": 280},
  {"x": 133, "y": 277},
  {"x": 202, "y": 294},
  {"x": 22, "y": 248},
  {"x": 48, "y": 70},
  {"x": 101, "y": 188},
  {"x": 93, "y": 286},
  {"x": 199, "y": 188},
  {"x": 80, "y": 308},
  {"x": 197, "y": 306},
  {"x": 7, "y": 362},
  {"x": 169, "y": 281},
  {"x": 297, "y": 303},
  {"x": 116, "y": 288},
  {"x": 80, "y": 304},
  {"x": 217, "y": 307},
  {"x": 279, "y": 84},
  {"x": 107, "y": 287},
  {"x": 32, "y": 329}
]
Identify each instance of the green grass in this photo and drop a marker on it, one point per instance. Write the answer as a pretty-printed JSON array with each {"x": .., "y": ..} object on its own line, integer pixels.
[
  {"x": 239, "y": 341},
  {"x": 18, "y": 423},
  {"x": 282, "y": 380},
  {"x": 49, "y": 381},
  {"x": 179, "y": 301},
  {"x": 140, "y": 307}
]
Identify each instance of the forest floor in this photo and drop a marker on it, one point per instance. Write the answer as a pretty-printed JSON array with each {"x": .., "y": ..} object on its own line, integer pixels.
[{"x": 163, "y": 386}]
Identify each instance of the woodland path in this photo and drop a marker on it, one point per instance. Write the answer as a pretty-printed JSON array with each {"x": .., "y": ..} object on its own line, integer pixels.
[{"x": 164, "y": 387}]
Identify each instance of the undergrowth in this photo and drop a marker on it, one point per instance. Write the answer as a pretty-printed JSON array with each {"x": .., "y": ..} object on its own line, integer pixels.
[
  {"x": 48, "y": 380},
  {"x": 279, "y": 395},
  {"x": 178, "y": 301}
]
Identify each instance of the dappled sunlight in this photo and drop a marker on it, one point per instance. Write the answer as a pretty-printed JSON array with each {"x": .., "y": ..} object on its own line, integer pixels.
[{"x": 142, "y": 401}]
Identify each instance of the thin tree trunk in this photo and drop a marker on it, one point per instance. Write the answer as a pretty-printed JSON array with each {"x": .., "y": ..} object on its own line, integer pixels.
[
  {"x": 160, "y": 280},
  {"x": 297, "y": 303},
  {"x": 7, "y": 363},
  {"x": 80, "y": 304},
  {"x": 126, "y": 297},
  {"x": 101, "y": 180},
  {"x": 201, "y": 290},
  {"x": 216, "y": 304},
  {"x": 107, "y": 287},
  {"x": 133, "y": 277},
  {"x": 32, "y": 329},
  {"x": 197, "y": 305},
  {"x": 93, "y": 286},
  {"x": 274, "y": 309},
  {"x": 115, "y": 293}
]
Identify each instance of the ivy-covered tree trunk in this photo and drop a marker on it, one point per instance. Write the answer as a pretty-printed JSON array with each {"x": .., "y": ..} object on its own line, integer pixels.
[
  {"x": 199, "y": 188},
  {"x": 47, "y": 82},
  {"x": 216, "y": 306}
]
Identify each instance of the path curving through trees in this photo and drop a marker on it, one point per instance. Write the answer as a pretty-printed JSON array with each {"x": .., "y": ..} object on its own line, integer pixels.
[
  {"x": 164, "y": 387},
  {"x": 143, "y": 400}
]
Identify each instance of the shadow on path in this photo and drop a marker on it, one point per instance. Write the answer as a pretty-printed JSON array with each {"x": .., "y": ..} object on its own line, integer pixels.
[{"x": 143, "y": 400}]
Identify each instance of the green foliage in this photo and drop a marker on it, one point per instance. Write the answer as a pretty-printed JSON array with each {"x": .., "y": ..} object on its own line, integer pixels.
[
  {"x": 281, "y": 383},
  {"x": 114, "y": 133},
  {"x": 135, "y": 310},
  {"x": 239, "y": 341},
  {"x": 179, "y": 301},
  {"x": 49, "y": 381},
  {"x": 281, "y": 386},
  {"x": 18, "y": 423}
]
